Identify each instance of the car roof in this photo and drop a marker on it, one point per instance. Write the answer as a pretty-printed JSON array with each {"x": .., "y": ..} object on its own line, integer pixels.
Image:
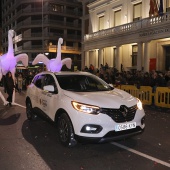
[{"x": 66, "y": 73}]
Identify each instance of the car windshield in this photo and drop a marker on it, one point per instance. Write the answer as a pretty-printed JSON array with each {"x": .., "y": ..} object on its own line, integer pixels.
[{"x": 82, "y": 83}]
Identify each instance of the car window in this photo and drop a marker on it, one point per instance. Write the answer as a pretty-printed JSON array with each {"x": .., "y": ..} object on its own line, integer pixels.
[
  {"x": 39, "y": 81},
  {"x": 49, "y": 80},
  {"x": 34, "y": 79},
  {"x": 82, "y": 83}
]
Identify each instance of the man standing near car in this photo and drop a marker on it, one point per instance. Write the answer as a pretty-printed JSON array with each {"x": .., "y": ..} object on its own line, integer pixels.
[{"x": 9, "y": 87}]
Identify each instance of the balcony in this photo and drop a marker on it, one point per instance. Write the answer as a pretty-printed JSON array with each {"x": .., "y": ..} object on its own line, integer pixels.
[
  {"x": 38, "y": 23},
  {"x": 139, "y": 25},
  {"x": 33, "y": 11},
  {"x": 50, "y": 35},
  {"x": 65, "y": 49},
  {"x": 50, "y": 48}
]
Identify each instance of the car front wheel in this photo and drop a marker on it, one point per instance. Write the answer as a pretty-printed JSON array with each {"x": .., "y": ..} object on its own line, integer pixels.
[
  {"x": 29, "y": 111},
  {"x": 65, "y": 131}
]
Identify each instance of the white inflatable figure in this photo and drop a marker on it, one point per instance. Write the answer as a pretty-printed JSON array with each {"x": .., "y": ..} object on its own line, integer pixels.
[
  {"x": 8, "y": 61},
  {"x": 54, "y": 64}
]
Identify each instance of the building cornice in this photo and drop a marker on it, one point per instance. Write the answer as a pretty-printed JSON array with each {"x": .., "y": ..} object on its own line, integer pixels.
[
  {"x": 100, "y": 4},
  {"x": 136, "y": 1}
]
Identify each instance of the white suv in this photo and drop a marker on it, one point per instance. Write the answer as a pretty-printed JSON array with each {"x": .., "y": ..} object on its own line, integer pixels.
[{"x": 84, "y": 107}]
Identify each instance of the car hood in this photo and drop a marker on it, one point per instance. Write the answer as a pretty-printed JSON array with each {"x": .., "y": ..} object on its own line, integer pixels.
[{"x": 105, "y": 99}]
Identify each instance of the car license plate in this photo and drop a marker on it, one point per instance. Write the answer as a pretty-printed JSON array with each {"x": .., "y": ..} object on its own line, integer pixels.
[{"x": 125, "y": 126}]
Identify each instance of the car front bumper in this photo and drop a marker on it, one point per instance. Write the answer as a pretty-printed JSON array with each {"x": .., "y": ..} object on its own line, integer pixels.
[{"x": 111, "y": 136}]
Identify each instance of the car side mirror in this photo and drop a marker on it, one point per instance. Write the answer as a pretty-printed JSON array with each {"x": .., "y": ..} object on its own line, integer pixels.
[{"x": 49, "y": 88}]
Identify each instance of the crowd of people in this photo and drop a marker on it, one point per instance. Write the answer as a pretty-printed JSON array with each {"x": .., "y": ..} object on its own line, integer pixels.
[
  {"x": 20, "y": 83},
  {"x": 133, "y": 77},
  {"x": 108, "y": 74}
]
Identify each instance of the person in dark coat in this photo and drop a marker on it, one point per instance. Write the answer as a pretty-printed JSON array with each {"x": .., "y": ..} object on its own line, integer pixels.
[{"x": 9, "y": 86}]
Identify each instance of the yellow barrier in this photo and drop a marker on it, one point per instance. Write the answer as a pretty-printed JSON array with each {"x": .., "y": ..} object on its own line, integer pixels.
[
  {"x": 144, "y": 93},
  {"x": 162, "y": 97},
  {"x": 117, "y": 86}
]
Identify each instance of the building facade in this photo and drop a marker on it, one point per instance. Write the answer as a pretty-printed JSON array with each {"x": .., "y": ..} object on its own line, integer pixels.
[
  {"x": 128, "y": 34},
  {"x": 85, "y": 26},
  {"x": 40, "y": 23}
]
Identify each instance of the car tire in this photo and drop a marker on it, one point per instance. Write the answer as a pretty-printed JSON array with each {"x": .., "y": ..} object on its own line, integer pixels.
[
  {"x": 65, "y": 131},
  {"x": 29, "y": 111}
]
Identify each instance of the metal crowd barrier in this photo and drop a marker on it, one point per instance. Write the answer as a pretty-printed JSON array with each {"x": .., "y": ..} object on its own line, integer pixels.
[
  {"x": 160, "y": 98},
  {"x": 144, "y": 93}
]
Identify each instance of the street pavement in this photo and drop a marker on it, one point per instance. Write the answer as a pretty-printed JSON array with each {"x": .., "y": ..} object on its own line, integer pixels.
[{"x": 33, "y": 145}]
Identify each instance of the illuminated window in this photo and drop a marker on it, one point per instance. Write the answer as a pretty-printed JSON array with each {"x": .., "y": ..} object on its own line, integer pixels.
[
  {"x": 137, "y": 11},
  {"x": 117, "y": 18},
  {"x": 101, "y": 23},
  {"x": 57, "y": 8}
]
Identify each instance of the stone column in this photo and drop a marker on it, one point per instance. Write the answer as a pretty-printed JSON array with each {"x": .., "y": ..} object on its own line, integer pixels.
[
  {"x": 100, "y": 56},
  {"x": 97, "y": 58},
  {"x": 87, "y": 59},
  {"x": 146, "y": 57}
]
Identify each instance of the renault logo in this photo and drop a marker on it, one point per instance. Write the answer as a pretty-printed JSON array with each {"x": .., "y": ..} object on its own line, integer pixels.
[{"x": 124, "y": 110}]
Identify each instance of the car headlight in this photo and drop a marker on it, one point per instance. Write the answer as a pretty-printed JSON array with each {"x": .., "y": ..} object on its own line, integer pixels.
[
  {"x": 81, "y": 107},
  {"x": 139, "y": 104}
]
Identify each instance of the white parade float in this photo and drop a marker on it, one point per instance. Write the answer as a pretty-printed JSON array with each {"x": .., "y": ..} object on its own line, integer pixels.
[{"x": 55, "y": 64}]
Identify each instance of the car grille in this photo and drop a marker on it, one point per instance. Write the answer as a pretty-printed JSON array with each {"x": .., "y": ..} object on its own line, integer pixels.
[{"x": 117, "y": 114}]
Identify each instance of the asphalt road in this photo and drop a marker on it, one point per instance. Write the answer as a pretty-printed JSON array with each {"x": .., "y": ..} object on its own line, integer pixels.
[{"x": 33, "y": 145}]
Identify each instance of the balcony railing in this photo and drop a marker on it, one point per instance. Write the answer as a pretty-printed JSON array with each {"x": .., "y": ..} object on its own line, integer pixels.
[
  {"x": 50, "y": 34},
  {"x": 48, "y": 48},
  {"x": 65, "y": 48},
  {"x": 50, "y": 22},
  {"x": 49, "y": 9},
  {"x": 129, "y": 27}
]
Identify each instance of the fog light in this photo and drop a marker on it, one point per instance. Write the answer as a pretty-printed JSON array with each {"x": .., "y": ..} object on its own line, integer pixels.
[
  {"x": 91, "y": 129},
  {"x": 143, "y": 120},
  {"x": 88, "y": 128}
]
